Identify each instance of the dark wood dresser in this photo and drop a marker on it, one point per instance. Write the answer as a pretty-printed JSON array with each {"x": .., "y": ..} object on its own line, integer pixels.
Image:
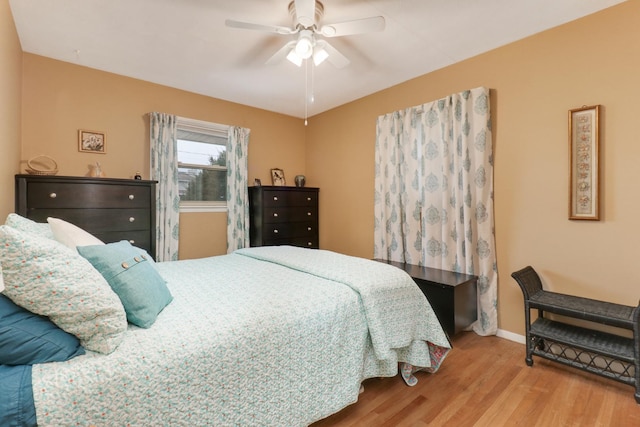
[
  {"x": 110, "y": 209},
  {"x": 453, "y": 296},
  {"x": 284, "y": 216}
]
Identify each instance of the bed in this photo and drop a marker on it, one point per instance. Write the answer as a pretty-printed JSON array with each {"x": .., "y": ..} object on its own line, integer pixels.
[{"x": 268, "y": 336}]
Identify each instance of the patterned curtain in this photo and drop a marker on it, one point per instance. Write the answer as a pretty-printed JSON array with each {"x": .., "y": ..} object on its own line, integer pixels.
[
  {"x": 434, "y": 192},
  {"x": 164, "y": 169},
  {"x": 237, "y": 192}
]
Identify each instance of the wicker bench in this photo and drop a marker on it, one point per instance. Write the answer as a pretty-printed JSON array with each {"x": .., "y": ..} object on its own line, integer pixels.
[{"x": 603, "y": 353}]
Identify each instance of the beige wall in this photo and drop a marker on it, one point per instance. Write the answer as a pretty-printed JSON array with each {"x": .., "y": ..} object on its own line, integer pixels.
[
  {"x": 534, "y": 82},
  {"x": 10, "y": 85},
  {"x": 59, "y": 98}
]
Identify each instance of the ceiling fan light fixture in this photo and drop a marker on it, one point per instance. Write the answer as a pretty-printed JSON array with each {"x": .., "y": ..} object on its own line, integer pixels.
[
  {"x": 293, "y": 57},
  {"x": 304, "y": 46},
  {"x": 319, "y": 55}
]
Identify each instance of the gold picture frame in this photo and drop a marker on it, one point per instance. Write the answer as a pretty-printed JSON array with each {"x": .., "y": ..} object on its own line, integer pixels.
[
  {"x": 277, "y": 177},
  {"x": 90, "y": 141},
  {"x": 584, "y": 154}
]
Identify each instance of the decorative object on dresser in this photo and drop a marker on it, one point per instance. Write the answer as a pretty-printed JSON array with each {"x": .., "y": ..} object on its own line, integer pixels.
[
  {"x": 283, "y": 216},
  {"x": 42, "y": 165},
  {"x": 612, "y": 355},
  {"x": 277, "y": 177},
  {"x": 110, "y": 209},
  {"x": 300, "y": 180},
  {"x": 453, "y": 296},
  {"x": 95, "y": 171}
]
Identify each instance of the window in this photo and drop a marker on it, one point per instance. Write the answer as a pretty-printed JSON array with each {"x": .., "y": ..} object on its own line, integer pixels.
[{"x": 202, "y": 170}]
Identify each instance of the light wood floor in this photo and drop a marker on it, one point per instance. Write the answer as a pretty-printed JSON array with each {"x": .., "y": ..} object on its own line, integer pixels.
[{"x": 484, "y": 381}]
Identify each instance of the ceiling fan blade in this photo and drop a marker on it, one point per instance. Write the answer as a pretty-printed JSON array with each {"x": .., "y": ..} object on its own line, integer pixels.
[
  {"x": 259, "y": 27},
  {"x": 281, "y": 53},
  {"x": 336, "y": 59},
  {"x": 305, "y": 12},
  {"x": 358, "y": 26}
]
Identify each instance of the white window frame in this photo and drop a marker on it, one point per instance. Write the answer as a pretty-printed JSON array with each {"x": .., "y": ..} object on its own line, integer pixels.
[{"x": 210, "y": 128}]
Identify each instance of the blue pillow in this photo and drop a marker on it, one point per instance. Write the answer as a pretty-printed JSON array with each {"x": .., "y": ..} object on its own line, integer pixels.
[
  {"x": 26, "y": 338},
  {"x": 133, "y": 277},
  {"x": 17, "y": 408}
]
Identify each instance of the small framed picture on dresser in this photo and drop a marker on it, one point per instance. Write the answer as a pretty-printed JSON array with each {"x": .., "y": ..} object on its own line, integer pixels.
[
  {"x": 277, "y": 177},
  {"x": 90, "y": 141}
]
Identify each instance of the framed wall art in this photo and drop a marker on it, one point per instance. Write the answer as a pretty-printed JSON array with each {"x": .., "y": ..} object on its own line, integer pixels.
[
  {"x": 277, "y": 177},
  {"x": 584, "y": 153},
  {"x": 90, "y": 141}
]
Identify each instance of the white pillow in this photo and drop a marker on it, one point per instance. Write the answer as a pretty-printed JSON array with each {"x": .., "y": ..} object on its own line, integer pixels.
[
  {"x": 47, "y": 278},
  {"x": 1, "y": 281},
  {"x": 71, "y": 235}
]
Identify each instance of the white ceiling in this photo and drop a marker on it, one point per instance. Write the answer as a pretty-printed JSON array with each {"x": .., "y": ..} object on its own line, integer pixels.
[{"x": 186, "y": 45}]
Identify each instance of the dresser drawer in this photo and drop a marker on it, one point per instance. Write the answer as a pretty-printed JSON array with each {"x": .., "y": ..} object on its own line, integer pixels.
[
  {"x": 290, "y": 214},
  {"x": 140, "y": 238},
  {"x": 97, "y": 220},
  {"x": 71, "y": 195},
  {"x": 289, "y": 198},
  {"x": 290, "y": 229}
]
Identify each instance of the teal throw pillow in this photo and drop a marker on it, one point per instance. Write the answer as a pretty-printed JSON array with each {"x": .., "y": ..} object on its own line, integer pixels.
[
  {"x": 133, "y": 277},
  {"x": 27, "y": 338}
]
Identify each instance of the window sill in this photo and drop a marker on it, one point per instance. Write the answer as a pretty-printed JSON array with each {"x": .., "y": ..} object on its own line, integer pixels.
[{"x": 202, "y": 208}]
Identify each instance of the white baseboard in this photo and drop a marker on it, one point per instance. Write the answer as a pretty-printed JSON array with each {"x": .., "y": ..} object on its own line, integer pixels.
[{"x": 511, "y": 336}]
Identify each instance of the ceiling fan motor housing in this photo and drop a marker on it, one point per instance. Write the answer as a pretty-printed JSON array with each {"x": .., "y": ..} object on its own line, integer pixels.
[{"x": 306, "y": 21}]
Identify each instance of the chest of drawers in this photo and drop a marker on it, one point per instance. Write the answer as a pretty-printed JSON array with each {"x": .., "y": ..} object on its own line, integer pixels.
[
  {"x": 110, "y": 209},
  {"x": 283, "y": 216}
]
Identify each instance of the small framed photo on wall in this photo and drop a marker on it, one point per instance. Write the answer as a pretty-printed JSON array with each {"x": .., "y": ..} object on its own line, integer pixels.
[{"x": 90, "y": 141}]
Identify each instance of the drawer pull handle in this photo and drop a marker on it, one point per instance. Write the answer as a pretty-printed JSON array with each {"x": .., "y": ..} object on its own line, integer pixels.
[
  {"x": 275, "y": 198},
  {"x": 308, "y": 213},
  {"x": 275, "y": 231},
  {"x": 132, "y": 241},
  {"x": 131, "y": 219},
  {"x": 308, "y": 199},
  {"x": 131, "y": 197},
  {"x": 275, "y": 214},
  {"x": 53, "y": 195},
  {"x": 309, "y": 243},
  {"x": 308, "y": 228}
]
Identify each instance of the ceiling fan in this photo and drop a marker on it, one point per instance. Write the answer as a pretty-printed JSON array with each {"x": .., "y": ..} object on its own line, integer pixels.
[{"x": 306, "y": 15}]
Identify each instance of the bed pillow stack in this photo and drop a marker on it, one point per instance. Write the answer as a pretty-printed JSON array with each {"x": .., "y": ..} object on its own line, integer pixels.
[{"x": 49, "y": 279}]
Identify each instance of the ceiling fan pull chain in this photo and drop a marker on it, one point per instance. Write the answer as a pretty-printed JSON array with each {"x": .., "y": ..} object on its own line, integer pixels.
[{"x": 306, "y": 91}]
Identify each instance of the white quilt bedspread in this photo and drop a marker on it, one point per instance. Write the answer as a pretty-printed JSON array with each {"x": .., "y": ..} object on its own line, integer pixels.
[
  {"x": 397, "y": 313},
  {"x": 245, "y": 342}
]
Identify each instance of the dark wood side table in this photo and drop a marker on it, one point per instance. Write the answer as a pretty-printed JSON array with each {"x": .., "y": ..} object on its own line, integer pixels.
[{"x": 452, "y": 295}]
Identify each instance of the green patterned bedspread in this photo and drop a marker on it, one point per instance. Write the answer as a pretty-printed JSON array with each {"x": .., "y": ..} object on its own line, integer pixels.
[{"x": 248, "y": 342}]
